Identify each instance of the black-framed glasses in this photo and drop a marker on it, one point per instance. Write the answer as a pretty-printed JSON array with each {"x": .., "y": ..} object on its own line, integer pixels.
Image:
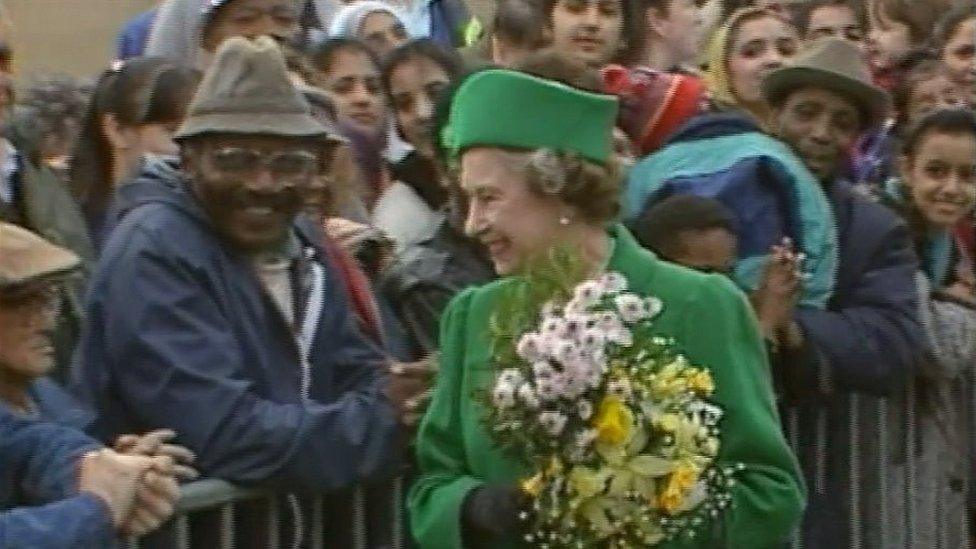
[{"x": 284, "y": 164}]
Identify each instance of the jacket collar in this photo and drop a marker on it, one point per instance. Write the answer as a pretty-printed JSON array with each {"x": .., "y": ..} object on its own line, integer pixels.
[{"x": 636, "y": 263}]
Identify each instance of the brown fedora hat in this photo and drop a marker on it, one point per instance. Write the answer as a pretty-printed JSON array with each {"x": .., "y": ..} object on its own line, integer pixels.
[{"x": 835, "y": 65}]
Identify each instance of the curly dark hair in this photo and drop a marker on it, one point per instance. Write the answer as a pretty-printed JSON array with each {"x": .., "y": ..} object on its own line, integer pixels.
[{"x": 51, "y": 107}]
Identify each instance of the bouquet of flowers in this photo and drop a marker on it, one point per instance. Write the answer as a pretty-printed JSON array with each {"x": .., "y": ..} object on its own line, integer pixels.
[{"x": 615, "y": 423}]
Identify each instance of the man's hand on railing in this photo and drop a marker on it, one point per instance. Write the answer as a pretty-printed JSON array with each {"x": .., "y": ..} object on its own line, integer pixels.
[
  {"x": 157, "y": 443},
  {"x": 140, "y": 492},
  {"x": 113, "y": 478},
  {"x": 156, "y": 496}
]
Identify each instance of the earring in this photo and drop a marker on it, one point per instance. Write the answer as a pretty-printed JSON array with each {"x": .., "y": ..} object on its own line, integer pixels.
[{"x": 564, "y": 221}]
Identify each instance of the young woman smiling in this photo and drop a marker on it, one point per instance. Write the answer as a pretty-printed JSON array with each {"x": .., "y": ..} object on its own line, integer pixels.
[{"x": 937, "y": 191}]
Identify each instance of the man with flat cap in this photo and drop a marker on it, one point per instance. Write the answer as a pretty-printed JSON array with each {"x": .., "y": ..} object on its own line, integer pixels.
[
  {"x": 58, "y": 487},
  {"x": 214, "y": 311}
]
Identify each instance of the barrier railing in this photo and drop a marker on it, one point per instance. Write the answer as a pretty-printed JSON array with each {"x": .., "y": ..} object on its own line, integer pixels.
[{"x": 364, "y": 517}]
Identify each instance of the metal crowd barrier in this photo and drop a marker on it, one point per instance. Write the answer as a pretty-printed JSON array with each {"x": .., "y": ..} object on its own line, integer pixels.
[
  {"x": 893, "y": 452},
  {"x": 220, "y": 500}
]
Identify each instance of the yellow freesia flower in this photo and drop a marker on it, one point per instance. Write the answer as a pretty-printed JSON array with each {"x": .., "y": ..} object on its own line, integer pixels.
[
  {"x": 532, "y": 486},
  {"x": 671, "y": 499},
  {"x": 701, "y": 382},
  {"x": 613, "y": 421},
  {"x": 682, "y": 479}
]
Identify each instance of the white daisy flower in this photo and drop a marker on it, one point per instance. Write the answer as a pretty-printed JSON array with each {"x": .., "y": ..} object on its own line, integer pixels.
[
  {"x": 653, "y": 306},
  {"x": 504, "y": 396},
  {"x": 552, "y": 422},
  {"x": 510, "y": 376},
  {"x": 588, "y": 293},
  {"x": 542, "y": 370},
  {"x": 631, "y": 308},
  {"x": 530, "y": 347},
  {"x": 613, "y": 283},
  {"x": 526, "y": 393},
  {"x": 585, "y": 409}
]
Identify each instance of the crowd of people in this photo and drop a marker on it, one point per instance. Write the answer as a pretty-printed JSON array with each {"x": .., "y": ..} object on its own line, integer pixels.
[{"x": 268, "y": 243}]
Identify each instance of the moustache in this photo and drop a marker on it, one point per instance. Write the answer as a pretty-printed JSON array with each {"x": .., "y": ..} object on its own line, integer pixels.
[{"x": 284, "y": 197}]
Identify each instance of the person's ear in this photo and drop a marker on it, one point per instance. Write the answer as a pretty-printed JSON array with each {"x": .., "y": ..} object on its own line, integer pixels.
[{"x": 117, "y": 137}]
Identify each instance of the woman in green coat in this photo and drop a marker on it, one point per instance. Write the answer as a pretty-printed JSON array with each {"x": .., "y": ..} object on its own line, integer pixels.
[{"x": 539, "y": 173}]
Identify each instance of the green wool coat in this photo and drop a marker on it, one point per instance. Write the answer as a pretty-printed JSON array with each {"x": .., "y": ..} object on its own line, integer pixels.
[{"x": 712, "y": 324}]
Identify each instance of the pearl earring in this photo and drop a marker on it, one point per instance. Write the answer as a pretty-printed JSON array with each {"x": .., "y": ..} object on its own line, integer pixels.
[{"x": 564, "y": 221}]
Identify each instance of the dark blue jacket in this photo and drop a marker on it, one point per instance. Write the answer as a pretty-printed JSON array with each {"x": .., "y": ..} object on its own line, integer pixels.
[
  {"x": 182, "y": 335},
  {"x": 38, "y": 467},
  {"x": 56, "y": 405},
  {"x": 866, "y": 343},
  {"x": 869, "y": 338}
]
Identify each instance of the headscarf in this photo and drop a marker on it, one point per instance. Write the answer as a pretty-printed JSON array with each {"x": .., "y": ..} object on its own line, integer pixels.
[
  {"x": 178, "y": 28},
  {"x": 717, "y": 77},
  {"x": 349, "y": 19},
  {"x": 175, "y": 32}
]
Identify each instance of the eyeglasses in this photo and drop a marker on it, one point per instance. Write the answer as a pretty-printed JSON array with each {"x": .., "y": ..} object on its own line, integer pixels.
[{"x": 284, "y": 165}]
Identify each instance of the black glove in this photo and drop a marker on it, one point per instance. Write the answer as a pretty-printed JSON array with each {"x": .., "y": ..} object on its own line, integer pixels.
[{"x": 490, "y": 514}]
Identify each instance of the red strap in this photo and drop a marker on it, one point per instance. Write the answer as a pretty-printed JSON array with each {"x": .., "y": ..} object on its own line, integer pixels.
[{"x": 357, "y": 287}]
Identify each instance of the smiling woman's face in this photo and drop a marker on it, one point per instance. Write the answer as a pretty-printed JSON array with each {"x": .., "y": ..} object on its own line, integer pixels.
[
  {"x": 941, "y": 177},
  {"x": 514, "y": 223}
]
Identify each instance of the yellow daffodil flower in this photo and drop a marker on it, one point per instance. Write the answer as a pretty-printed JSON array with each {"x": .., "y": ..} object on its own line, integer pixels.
[{"x": 613, "y": 421}]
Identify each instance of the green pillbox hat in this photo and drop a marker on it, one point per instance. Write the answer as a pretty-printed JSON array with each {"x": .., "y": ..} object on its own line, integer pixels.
[{"x": 505, "y": 108}]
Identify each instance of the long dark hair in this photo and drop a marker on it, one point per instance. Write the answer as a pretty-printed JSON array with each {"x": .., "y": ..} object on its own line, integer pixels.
[
  {"x": 944, "y": 121},
  {"x": 142, "y": 91},
  {"x": 421, "y": 173},
  {"x": 323, "y": 54},
  {"x": 367, "y": 148},
  {"x": 422, "y": 48}
]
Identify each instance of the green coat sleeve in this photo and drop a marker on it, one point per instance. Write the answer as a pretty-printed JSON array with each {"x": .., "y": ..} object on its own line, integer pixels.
[
  {"x": 718, "y": 330},
  {"x": 435, "y": 498}
]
